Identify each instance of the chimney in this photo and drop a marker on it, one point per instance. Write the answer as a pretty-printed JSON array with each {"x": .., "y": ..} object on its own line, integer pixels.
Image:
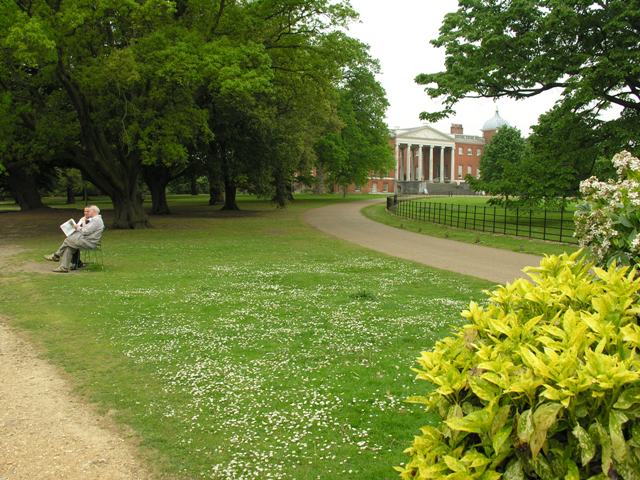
[{"x": 456, "y": 129}]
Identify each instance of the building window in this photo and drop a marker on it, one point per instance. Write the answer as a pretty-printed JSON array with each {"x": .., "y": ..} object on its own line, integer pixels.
[
  {"x": 374, "y": 187},
  {"x": 459, "y": 150},
  {"x": 469, "y": 151},
  {"x": 469, "y": 170},
  {"x": 459, "y": 171},
  {"x": 357, "y": 188},
  {"x": 478, "y": 152},
  {"x": 385, "y": 187}
]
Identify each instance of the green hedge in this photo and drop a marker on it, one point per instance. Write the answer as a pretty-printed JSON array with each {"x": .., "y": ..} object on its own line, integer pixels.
[{"x": 543, "y": 382}]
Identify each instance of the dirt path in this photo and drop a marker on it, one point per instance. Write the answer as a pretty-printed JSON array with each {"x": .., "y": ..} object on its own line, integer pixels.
[
  {"x": 345, "y": 221},
  {"x": 46, "y": 431}
]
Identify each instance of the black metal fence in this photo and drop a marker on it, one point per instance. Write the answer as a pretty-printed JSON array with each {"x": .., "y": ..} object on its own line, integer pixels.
[{"x": 542, "y": 224}]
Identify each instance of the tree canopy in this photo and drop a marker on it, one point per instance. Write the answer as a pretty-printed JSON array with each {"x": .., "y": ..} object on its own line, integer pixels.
[
  {"x": 501, "y": 165},
  {"x": 360, "y": 145},
  {"x": 521, "y": 48},
  {"x": 149, "y": 90}
]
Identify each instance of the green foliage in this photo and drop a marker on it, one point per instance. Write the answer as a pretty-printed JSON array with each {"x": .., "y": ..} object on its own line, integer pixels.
[
  {"x": 361, "y": 144},
  {"x": 501, "y": 165},
  {"x": 520, "y": 48},
  {"x": 542, "y": 383},
  {"x": 564, "y": 148}
]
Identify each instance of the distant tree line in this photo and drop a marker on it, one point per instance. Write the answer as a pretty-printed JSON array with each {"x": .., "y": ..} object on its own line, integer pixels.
[{"x": 246, "y": 94}]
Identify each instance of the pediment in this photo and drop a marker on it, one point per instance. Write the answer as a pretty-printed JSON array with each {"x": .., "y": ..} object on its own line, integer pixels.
[{"x": 424, "y": 133}]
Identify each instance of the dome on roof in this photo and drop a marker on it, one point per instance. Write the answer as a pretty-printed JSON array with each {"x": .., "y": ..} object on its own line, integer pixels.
[{"x": 494, "y": 123}]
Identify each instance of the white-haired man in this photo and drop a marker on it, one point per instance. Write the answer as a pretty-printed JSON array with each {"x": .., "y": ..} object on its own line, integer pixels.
[{"x": 87, "y": 235}]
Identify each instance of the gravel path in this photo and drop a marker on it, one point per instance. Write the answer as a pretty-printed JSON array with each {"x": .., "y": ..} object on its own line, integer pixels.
[
  {"x": 345, "y": 221},
  {"x": 46, "y": 431}
]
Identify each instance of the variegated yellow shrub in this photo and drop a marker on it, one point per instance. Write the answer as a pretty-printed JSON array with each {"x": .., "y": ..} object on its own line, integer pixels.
[{"x": 542, "y": 383}]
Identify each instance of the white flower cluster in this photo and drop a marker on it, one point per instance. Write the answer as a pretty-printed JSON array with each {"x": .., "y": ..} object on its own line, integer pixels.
[
  {"x": 625, "y": 162},
  {"x": 607, "y": 223},
  {"x": 595, "y": 230},
  {"x": 635, "y": 244}
]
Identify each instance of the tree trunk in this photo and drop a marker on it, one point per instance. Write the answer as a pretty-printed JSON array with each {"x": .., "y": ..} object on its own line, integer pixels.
[
  {"x": 319, "y": 187},
  {"x": 128, "y": 211},
  {"x": 159, "y": 205},
  {"x": 24, "y": 189},
  {"x": 194, "y": 184},
  {"x": 280, "y": 196},
  {"x": 216, "y": 194},
  {"x": 71, "y": 196},
  {"x": 230, "y": 191},
  {"x": 157, "y": 179},
  {"x": 230, "y": 188}
]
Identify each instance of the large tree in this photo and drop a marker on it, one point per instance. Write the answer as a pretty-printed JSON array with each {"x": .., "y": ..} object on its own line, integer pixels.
[
  {"x": 360, "y": 144},
  {"x": 155, "y": 87},
  {"x": 501, "y": 165},
  {"x": 521, "y": 48},
  {"x": 128, "y": 70},
  {"x": 564, "y": 147}
]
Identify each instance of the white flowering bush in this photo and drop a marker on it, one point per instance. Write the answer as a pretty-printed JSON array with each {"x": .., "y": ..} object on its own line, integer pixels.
[{"x": 608, "y": 219}]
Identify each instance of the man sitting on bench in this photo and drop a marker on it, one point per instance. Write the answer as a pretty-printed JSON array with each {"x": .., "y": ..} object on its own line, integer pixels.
[{"x": 87, "y": 236}]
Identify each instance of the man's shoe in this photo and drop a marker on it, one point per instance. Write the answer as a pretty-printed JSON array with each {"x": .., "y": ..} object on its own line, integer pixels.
[
  {"x": 52, "y": 258},
  {"x": 61, "y": 270}
]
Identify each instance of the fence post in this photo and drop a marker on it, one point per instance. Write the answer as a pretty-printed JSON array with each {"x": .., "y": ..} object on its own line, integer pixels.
[
  {"x": 561, "y": 221},
  {"x": 484, "y": 216},
  {"x": 494, "y": 219},
  {"x": 544, "y": 225},
  {"x": 466, "y": 214},
  {"x": 445, "y": 214},
  {"x": 517, "y": 219},
  {"x": 458, "y": 220},
  {"x": 475, "y": 211},
  {"x": 504, "y": 225},
  {"x": 530, "y": 213}
]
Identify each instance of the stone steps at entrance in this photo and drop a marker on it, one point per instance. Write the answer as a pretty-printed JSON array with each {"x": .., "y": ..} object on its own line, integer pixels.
[{"x": 417, "y": 188}]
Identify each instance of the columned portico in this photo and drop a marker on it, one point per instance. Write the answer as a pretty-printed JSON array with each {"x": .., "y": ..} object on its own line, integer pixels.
[
  {"x": 415, "y": 168},
  {"x": 452, "y": 175},
  {"x": 430, "y": 163}
]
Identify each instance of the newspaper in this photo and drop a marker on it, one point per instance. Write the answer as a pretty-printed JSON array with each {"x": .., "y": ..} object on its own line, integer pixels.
[{"x": 68, "y": 227}]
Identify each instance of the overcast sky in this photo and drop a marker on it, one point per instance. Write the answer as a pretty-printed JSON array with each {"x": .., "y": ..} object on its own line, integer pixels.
[{"x": 398, "y": 33}]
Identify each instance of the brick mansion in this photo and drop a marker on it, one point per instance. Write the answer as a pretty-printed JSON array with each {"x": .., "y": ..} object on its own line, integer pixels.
[{"x": 426, "y": 157}]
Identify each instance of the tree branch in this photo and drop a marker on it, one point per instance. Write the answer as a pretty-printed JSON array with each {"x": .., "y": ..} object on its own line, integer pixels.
[{"x": 216, "y": 20}]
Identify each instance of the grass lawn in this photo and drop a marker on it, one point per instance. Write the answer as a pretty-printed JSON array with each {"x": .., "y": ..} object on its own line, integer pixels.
[
  {"x": 516, "y": 244},
  {"x": 239, "y": 346}
]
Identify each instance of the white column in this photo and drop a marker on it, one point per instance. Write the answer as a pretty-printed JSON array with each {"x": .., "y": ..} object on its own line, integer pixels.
[
  {"x": 430, "y": 163},
  {"x": 441, "y": 164},
  {"x": 397, "y": 174},
  {"x": 453, "y": 164},
  {"x": 408, "y": 160},
  {"x": 420, "y": 159}
]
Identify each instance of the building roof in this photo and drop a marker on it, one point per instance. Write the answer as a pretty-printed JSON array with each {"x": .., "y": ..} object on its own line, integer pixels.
[
  {"x": 473, "y": 139},
  {"x": 494, "y": 123},
  {"x": 423, "y": 133}
]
